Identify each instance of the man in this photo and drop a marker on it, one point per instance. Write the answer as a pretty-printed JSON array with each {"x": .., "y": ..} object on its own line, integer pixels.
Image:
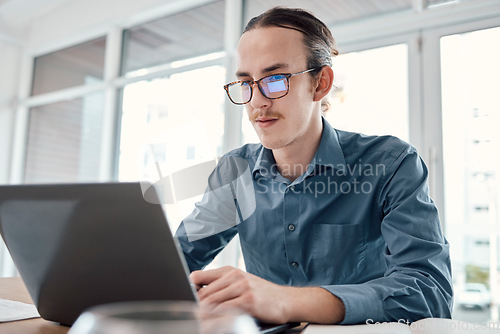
[{"x": 335, "y": 227}]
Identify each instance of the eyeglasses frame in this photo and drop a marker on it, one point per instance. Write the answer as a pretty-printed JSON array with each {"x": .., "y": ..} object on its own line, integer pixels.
[{"x": 253, "y": 82}]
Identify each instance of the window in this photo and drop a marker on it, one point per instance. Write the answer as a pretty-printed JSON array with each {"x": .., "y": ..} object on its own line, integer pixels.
[
  {"x": 75, "y": 66},
  {"x": 371, "y": 92},
  {"x": 169, "y": 105},
  {"x": 166, "y": 128},
  {"x": 471, "y": 114},
  {"x": 193, "y": 33},
  {"x": 64, "y": 141},
  {"x": 174, "y": 119},
  {"x": 64, "y": 134}
]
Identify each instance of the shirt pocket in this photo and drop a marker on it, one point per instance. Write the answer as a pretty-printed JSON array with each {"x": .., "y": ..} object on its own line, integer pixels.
[{"x": 338, "y": 251}]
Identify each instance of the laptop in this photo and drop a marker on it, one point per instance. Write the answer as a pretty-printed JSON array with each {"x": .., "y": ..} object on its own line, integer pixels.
[{"x": 81, "y": 245}]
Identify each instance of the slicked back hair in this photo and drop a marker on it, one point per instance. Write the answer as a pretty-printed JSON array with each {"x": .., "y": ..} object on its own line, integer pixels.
[{"x": 318, "y": 39}]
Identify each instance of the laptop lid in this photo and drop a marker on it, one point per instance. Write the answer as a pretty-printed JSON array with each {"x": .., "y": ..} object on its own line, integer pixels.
[{"x": 80, "y": 245}]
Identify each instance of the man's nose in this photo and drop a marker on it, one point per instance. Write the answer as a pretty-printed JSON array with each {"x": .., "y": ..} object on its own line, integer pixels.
[{"x": 259, "y": 100}]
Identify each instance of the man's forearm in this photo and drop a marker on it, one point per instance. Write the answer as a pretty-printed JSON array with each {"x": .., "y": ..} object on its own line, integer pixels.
[{"x": 314, "y": 304}]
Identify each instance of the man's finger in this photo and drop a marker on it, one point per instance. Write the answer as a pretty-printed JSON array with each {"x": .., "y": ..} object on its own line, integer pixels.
[
  {"x": 219, "y": 296},
  {"x": 205, "y": 277},
  {"x": 222, "y": 283}
]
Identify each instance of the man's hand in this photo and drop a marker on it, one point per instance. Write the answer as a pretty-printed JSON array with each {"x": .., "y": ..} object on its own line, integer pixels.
[{"x": 269, "y": 302}]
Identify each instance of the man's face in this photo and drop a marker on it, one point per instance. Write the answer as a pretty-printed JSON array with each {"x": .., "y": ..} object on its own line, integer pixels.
[{"x": 287, "y": 121}]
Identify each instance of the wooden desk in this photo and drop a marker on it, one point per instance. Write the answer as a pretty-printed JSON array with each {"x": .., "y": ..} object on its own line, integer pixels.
[{"x": 13, "y": 288}]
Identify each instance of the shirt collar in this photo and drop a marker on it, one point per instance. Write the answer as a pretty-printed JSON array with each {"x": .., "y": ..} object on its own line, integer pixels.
[
  {"x": 265, "y": 164},
  {"x": 329, "y": 154}
]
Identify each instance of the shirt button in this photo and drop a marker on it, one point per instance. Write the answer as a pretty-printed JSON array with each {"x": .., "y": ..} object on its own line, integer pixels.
[
  {"x": 291, "y": 227},
  {"x": 292, "y": 188},
  {"x": 294, "y": 264}
]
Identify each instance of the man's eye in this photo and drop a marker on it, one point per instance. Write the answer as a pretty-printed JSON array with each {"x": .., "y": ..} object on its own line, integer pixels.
[{"x": 276, "y": 77}]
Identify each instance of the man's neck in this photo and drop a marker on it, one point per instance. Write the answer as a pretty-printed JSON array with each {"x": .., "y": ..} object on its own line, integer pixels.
[{"x": 294, "y": 159}]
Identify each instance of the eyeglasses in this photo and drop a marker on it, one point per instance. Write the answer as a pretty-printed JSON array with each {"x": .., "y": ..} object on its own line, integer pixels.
[{"x": 273, "y": 87}]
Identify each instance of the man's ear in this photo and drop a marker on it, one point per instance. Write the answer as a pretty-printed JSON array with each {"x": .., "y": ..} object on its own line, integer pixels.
[{"x": 324, "y": 83}]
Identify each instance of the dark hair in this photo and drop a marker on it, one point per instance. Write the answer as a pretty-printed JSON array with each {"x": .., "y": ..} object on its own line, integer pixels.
[{"x": 318, "y": 39}]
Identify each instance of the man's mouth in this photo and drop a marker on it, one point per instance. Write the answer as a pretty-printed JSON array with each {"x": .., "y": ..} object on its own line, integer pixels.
[{"x": 265, "y": 122}]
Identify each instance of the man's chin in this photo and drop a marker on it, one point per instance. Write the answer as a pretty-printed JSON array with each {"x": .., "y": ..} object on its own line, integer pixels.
[
  {"x": 270, "y": 141},
  {"x": 271, "y": 144}
]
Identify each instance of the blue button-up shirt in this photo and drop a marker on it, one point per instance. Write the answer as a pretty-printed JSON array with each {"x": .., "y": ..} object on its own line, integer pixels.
[{"x": 358, "y": 222}]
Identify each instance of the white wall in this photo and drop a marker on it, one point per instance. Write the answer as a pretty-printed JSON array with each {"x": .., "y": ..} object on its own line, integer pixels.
[
  {"x": 9, "y": 81},
  {"x": 10, "y": 55},
  {"x": 6, "y": 125}
]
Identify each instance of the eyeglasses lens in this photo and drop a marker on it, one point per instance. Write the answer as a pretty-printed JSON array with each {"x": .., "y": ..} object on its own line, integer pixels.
[
  {"x": 275, "y": 86},
  {"x": 240, "y": 92}
]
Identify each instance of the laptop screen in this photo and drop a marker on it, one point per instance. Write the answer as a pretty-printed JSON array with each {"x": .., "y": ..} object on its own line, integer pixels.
[{"x": 80, "y": 245}]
